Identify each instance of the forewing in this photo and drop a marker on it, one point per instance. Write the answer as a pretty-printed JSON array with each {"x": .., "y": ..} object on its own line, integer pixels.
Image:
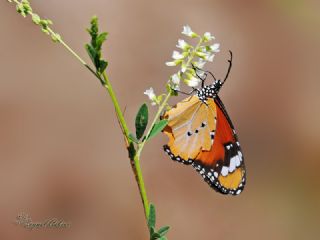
[{"x": 190, "y": 127}]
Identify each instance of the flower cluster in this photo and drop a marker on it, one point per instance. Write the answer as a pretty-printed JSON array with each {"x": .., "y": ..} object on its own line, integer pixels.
[
  {"x": 190, "y": 57},
  {"x": 23, "y": 7}
]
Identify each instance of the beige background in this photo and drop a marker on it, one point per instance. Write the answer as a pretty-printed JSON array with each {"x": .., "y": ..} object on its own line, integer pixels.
[{"x": 61, "y": 152}]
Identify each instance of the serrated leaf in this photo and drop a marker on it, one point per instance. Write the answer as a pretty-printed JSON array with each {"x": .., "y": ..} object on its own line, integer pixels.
[
  {"x": 152, "y": 216},
  {"x": 157, "y": 128},
  {"x": 163, "y": 230},
  {"x": 141, "y": 120}
]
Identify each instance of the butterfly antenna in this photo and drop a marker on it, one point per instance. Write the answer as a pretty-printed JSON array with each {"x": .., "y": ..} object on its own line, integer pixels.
[{"x": 229, "y": 68}]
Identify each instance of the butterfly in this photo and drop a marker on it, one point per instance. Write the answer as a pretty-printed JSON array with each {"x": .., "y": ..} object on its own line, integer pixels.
[{"x": 201, "y": 134}]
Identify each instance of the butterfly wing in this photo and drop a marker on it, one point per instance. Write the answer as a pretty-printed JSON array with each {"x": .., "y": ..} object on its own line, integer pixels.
[
  {"x": 223, "y": 166},
  {"x": 190, "y": 127},
  {"x": 213, "y": 150}
]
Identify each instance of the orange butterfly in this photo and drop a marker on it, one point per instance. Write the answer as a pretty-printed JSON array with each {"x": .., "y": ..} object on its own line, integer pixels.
[{"x": 201, "y": 134}]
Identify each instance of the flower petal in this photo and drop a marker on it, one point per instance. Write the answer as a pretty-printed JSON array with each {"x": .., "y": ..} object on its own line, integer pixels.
[{"x": 177, "y": 56}]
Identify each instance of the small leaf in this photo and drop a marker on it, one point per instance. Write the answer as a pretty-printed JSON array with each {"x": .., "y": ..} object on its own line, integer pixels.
[
  {"x": 91, "y": 52},
  {"x": 152, "y": 217},
  {"x": 131, "y": 151},
  {"x": 141, "y": 120},
  {"x": 157, "y": 128},
  {"x": 155, "y": 236},
  {"x": 103, "y": 66},
  {"x": 163, "y": 238},
  {"x": 163, "y": 230},
  {"x": 133, "y": 138},
  {"x": 151, "y": 230},
  {"x": 100, "y": 39}
]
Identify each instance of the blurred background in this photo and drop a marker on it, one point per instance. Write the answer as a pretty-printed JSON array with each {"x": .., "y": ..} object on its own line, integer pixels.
[{"x": 62, "y": 154}]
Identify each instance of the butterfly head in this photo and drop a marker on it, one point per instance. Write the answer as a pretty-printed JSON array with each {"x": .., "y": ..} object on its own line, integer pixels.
[{"x": 209, "y": 91}]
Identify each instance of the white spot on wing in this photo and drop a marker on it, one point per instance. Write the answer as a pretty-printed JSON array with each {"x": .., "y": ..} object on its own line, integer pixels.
[
  {"x": 232, "y": 166},
  {"x": 224, "y": 171},
  {"x": 238, "y": 161}
]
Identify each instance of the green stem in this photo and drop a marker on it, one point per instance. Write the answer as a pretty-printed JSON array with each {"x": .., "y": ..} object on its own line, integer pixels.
[
  {"x": 115, "y": 102},
  {"x": 142, "y": 188},
  {"x": 136, "y": 160},
  {"x": 68, "y": 48}
]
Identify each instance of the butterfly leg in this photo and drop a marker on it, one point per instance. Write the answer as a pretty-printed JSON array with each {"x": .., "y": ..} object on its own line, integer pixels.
[{"x": 187, "y": 93}]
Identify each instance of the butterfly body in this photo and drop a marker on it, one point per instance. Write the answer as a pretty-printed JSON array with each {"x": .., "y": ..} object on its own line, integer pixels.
[{"x": 201, "y": 134}]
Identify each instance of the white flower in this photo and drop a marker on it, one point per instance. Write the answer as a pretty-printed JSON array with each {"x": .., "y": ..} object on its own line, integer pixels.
[
  {"x": 175, "y": 81},
  {"x": 150, "y": 93},
  {"x": 208, "y": 37},
  {"x": 171, "y": 64},
  {"x": 200, "y": 63},
  {"x": 215, "y": 47},
  {"x": 201, "y": 54},
  {"x": 209, "y": 57},
  {"x": 188, "y": 32},
  {"x": 182, "y": 44},
  {"x": 183, "y": 67},
  {"x": 192, "y": 82},
  {"x": 176, "y": 55}
]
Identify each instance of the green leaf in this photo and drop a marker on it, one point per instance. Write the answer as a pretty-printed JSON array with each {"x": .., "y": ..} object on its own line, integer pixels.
[
  {"x": 100, "y": 39},
  {"x": 91, "y": 52},
  {"x": 133, "y": 138},
  {"x": 152, "y": 217},
  {"x": 155, "y": 236},
  {"x": 131, "y": 151},
  {"x": 93, "y": 31},
  {"x": 141, "y": 120},
  {"x": 163, "y": 238},
  {"x": 103, "y": 66},
  {"x": 94, "y": 47},
  {"x": 151, "y": 230},
  {"x": 157, "y": 128},
  {"x": 163, "y": 230}
]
